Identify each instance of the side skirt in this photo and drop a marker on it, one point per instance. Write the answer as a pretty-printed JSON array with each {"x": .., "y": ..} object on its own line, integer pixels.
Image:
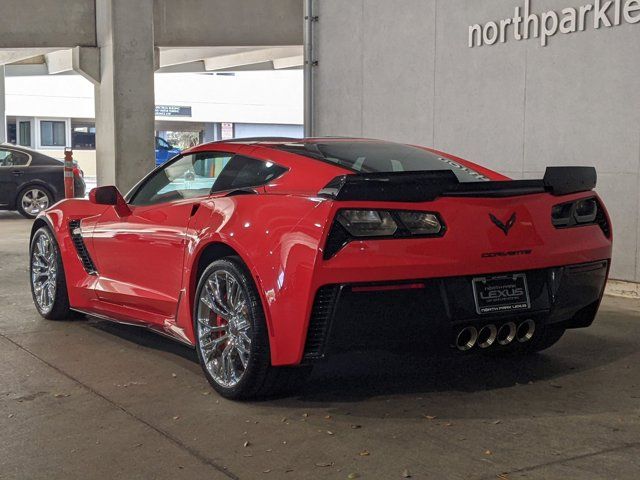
[{"x": 172, "y": 334}]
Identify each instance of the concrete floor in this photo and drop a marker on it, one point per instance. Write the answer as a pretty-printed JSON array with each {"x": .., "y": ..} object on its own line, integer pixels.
[{"x": 88, "y": 399}]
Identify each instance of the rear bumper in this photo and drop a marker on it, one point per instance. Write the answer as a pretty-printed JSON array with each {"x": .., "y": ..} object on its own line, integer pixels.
[{"x": 425, "y": 314}]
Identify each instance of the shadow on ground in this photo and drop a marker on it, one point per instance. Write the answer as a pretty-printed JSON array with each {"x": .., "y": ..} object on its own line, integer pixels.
[{"x": 353, "y": 377}]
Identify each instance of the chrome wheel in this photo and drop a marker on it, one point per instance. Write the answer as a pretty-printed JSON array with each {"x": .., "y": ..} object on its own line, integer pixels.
[
  {"x": 224, "y": 328},
  {"x": 34, "y": 201},
  {"x": 44, "y": 272}
]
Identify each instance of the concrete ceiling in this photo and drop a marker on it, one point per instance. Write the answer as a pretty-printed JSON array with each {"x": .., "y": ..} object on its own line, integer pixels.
[
  {"x": 210, "y": 59},
  {"x": 176, "y": 23},
  {"x": 51, "y": 61},
  {"x": 55, "y": 37}
]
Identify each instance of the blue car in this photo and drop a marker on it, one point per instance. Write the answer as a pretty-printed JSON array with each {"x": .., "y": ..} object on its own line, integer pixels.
[{"x": 164, "y": 151}]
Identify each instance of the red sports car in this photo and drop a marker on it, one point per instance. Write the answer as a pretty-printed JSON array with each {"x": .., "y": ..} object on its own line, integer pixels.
[{"x": 268, "y": 255}]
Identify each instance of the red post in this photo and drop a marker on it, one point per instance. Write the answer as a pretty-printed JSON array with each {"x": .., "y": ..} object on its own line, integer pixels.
[{"x": 68, "y": 173}]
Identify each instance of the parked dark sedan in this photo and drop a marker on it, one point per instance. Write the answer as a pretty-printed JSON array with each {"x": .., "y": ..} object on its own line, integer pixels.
[{"x": 31, "y": 182}]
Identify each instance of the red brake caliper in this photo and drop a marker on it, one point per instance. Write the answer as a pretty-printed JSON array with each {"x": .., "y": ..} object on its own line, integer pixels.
[{"x": 219, "y": 322}]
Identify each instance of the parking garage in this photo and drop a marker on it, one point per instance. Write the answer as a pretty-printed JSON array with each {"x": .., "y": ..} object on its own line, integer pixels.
[{"x": 89, "y": 398}]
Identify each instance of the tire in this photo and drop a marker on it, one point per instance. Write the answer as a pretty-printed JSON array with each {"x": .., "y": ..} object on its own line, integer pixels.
[
  {"x": 32, "y": 200},
  {"x": 221, "y": 338},
  {"x": 52, "y": 300}
]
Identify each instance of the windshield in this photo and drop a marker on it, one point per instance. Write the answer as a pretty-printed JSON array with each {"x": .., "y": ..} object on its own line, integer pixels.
[{"x": 374, "y": 157}]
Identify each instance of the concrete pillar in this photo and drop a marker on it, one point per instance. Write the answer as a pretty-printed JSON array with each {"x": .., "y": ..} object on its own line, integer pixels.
[
  {"x": 3, "y": 116},
  {"x": 210, "y": 133},
  {"x": 125, "y": 95}
]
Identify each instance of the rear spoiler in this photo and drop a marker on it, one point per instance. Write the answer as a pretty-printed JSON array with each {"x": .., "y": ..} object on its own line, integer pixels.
[{"x": 423, "y": 186}]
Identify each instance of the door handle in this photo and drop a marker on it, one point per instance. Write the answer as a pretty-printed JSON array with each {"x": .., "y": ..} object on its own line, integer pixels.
[{"x": 17, "y": 173}]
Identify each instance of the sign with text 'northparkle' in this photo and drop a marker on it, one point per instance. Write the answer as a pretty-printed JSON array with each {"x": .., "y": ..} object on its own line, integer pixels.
[{"x": 525, "y": 25}]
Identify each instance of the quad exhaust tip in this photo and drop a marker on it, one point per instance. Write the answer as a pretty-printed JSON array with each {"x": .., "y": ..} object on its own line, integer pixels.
[
  {"x": 506, "y": 333},
  {"x": 525, "y": 331},
  {"x": 487, "y": 336},
  {"x": 467, "y": 338}
]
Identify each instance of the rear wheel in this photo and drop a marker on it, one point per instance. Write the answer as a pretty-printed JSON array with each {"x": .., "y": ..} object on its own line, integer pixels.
[
  {"x": 33, "y": 200},
  {"x": 48, "y": 283},
  {"x": 231, "y": 335}
]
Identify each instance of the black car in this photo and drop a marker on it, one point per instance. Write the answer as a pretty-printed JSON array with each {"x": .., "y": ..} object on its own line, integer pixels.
[{"x": 31, "y": 182}]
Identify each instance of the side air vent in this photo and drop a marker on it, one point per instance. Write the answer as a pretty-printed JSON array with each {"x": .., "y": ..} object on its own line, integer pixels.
[
  {"x": 320, "y": 321},
  {"x": 81, "y": 249}
]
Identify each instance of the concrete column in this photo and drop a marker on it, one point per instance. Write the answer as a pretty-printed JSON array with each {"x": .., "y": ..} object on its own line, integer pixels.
[
  {"x": 125, "y": 94},
  {"x": 3, "y": 116},
  {"x": 210, "y": 133}
]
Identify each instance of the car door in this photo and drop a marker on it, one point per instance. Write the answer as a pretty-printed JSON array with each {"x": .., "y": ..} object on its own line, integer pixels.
[
  {"x": 139, "y": 257},
  {"x": 13, "y": 167}
]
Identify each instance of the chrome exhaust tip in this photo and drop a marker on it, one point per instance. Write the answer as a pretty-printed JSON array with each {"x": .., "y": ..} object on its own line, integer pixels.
[
  {"x": 466, "y": 338},
  {"x": 506, "y": 333},
  {"x": 525, "y": 331},
  {"x": 487, "y": 335}
]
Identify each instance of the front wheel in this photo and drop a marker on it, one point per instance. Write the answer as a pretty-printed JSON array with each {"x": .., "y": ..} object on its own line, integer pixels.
[
  {"x": 33, "y": 200},
  {"x": 232, "y": 340},
  {"x": 46, "y": 274}
]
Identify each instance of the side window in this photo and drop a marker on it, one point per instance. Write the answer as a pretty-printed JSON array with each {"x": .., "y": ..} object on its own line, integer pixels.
[
  {"x": 11, "y": 158},
  {"x": 162, "y": 144},
  {"x": 188, "y": 177},
  {"x": 52, "y": 133},
  {"x": 242, "y": 172}
]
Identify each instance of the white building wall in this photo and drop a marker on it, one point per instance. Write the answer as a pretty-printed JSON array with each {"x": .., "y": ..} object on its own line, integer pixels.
[
  {"x": 244, "y": 130},
  {"x": 247, "y": 97}
]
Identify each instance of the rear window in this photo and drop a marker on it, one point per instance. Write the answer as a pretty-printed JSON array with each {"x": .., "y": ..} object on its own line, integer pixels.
[
  {"x": 374, "y": 157},
  {"x": 12, "y": 158},
  {"x": 243, "y": 172}
]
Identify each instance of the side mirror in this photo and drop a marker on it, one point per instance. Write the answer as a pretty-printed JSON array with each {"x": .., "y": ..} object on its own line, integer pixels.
[{"x": 110, "y": 195}]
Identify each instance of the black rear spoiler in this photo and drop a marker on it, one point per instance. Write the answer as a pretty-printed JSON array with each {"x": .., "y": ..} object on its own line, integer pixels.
[{"x": 423, "y": 186}]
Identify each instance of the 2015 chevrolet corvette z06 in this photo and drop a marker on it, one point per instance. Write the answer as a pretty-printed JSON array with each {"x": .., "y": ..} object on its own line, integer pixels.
[{"x": 268, "y": 255}]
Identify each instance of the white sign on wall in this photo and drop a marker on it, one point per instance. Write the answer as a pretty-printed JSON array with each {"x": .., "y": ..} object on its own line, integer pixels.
[
  {"x": 226, "y": 131},
  {"x": 601, "y": 13}
]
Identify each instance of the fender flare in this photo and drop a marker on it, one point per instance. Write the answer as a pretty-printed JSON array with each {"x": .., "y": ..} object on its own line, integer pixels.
[
  {"x": 227, "y": 242},
  {"x": 41, "y": 219},
  {"x": 55, "y": 194}
]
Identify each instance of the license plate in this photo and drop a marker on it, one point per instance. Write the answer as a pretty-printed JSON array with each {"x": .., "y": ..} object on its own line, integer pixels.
[{"x": 501, "y": 294}]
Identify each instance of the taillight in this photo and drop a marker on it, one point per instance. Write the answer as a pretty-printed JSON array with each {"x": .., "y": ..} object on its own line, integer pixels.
[
  {"x": 586, "y": 211},
  {"x": 358, "y": 224},
  {"x": 420, "y": 223},
  {"x": 367, "y": 223}
]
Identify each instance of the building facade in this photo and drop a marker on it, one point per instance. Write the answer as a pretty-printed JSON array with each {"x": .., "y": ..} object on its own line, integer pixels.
[{"x": 49, "y": 113}]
